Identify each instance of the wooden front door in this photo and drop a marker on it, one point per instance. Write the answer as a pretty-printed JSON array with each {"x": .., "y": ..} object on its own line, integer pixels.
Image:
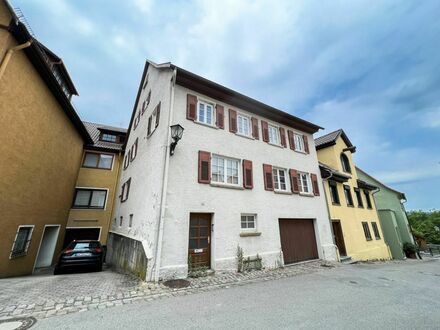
[
  {"x": 298, "y": 241},
  {"x": 199, "y": 240},
  {"x": 339, "y": 238}
]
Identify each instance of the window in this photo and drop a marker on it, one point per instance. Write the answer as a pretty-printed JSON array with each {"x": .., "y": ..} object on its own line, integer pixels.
[
  {"x": 205, "y": 113},
  {"x": 243, "y": 125},
  {"x": 279, "y": 179},
  {"x": 304, "y": 183},
  {"x": 359, "y": 197},
  {"x": 125, "y": 190},
  {"x": 121, "y": 219},
  {"x": 367, "y": 197},
  {"x": 334, "y": 192},
  {"x": 22, "y": 241},
  {"x": 345, "y": 163},
  {"x": 348, "y": 196},
  {"x": 133, "y": 150},
  {"x": 375, "y": 230},
  {"x": 89, "y": 198},
  {"x": 225, "y": 170},
  {"x": 96, "y": 160},
  {"x": 108, "y": 137},
  {"x": 274, "y": 135},
  {"x": 248, "y": 222},
  {"x": 130, "y": 221},
  {"x": 146, "y": 81},
  {"x": 366, "y": 231},
  {"x": 299, "y": 143}
]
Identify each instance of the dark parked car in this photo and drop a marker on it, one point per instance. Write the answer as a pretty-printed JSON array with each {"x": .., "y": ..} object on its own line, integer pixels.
[{"x": 81, "y": 254}]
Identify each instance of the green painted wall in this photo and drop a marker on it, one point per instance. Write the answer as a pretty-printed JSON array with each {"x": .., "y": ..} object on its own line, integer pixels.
[{"x": 392, "y": 215}]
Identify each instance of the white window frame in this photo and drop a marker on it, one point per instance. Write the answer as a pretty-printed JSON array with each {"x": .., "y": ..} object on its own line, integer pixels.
[
  {"x": 247, "y": 229},
  {"x": 225, "y": 169},
  {"x": 309, "y": 183},
  {"x": 205, "y": 122},
  {"x": 299, "y": 142},
  {"x": 27, "y": 243},
  {"x": 243, "y": 116},
  {"x": 277, "y": 181},
  {"x": 277, "y": 134}
]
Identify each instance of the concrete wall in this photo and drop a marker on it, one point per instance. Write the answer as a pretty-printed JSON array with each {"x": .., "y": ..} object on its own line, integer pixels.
[
  {"x": 391, "y": 233},
  {"x": 103, "y": 179},
  {"x": 352, "y": 217},
  {"x": 41, "y": 153}
]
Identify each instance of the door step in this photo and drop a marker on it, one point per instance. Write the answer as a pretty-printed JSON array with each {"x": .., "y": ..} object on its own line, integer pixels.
[{"x": 347, "y": 260}]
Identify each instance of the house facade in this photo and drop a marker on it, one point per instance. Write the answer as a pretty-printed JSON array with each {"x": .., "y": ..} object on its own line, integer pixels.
[
  {"x": 92, "y": 205},
  {"x": 41, "y": 151},
  {"x": 392, "y": 215},
  {"x": 244, "y": 176},
  {"x": 356, "y": 227}
]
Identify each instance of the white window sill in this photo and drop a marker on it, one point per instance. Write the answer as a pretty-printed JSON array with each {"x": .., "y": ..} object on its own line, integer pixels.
[
  {"x": 225, "y": 185},
  {"x": 276, "y": 145},
  {"x": 301, "y": 152},
  {"x": 250, "y": 137},
  {"x": 250, "y": 233},
  {"x": 307, "y": 194},
  {"x": 282, "y": 192},
  {"x": 204, "y": 124}
]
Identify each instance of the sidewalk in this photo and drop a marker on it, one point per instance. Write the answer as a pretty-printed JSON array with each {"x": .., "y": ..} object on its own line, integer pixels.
[{"x": 47, "y": 295}]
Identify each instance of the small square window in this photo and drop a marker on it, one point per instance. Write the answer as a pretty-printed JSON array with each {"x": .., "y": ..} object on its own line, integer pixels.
[{"x": 248, "y": 222}]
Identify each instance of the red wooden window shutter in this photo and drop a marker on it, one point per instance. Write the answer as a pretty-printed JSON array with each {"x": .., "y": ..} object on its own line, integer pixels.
[
  {"x": 157, "y": 114},
  {"x": 268, "y": 178},
  {"x": 255, "y": 128},
  {"x": 291, "y": 139},
  {"x": 204, "y": 167},
  {"x": 149, "y": 125},
  {"x": 232, "y": 121},
  {"x": 220, "y": 115},
  {"x": 294, "y": 181},
  {"x": 191, "y": 105},
  {"x": 248, "y": 181},
  {"x": 283, "y": 137},
  {"x": 265, "y": 131},
  {"x": 306, "y": 144},
  {"x": 314, "y": 178}
]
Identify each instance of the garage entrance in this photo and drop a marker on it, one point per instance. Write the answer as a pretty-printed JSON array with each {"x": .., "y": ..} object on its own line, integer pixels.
[
  {"x": 91, "y": 233},
  {"x": 298, "y": 241}
]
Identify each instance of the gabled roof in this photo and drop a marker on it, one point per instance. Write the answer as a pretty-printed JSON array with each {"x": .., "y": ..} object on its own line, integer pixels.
[
  {"x": 95, "y": 129},
  {"x": 216, "y": 91},
  {"x": 398, "y": 193},
  {"x": 330, "y": 140},
  {"x": 38, "y": 57}
]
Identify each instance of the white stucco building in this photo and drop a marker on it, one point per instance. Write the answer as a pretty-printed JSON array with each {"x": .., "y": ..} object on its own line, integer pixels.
[{"x": 244, "y": 174}]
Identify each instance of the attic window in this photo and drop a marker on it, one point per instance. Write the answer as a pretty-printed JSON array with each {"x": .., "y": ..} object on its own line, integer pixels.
[
  {"x": 108, "y": 137},
  {"x": 345, "y": 163}
]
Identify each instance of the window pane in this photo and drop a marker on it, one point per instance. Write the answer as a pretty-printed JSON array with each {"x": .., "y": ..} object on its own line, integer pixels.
[
  {"x": 98, "y": 198},
  {"x": 91, "y": 160},
  {"x": 21, "y": 241},
  {"x": 82, "y": 198},
  {"x": 201, "y": 112},
  {"x": 105, "y": 161},
  {"x": 208, "y": 114}
]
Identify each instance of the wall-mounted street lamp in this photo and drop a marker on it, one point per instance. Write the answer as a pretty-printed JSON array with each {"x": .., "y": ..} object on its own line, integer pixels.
[{"x": 176, "y": 135}]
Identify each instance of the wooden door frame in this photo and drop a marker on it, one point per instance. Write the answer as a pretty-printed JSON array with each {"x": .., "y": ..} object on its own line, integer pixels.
[{"x": 343, "y": 239}]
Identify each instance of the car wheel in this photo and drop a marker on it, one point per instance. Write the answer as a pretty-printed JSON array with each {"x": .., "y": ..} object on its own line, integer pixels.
[
  {"x": 99, "y": 268},
  {"x": 57, "y": 271}
]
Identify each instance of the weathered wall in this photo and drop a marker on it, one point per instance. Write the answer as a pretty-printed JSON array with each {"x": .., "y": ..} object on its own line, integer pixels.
[
  {"x": 352, "y": 217},
  {"x": 41, "y": 153},
  {"x": 127, "y": 255},
  {"x": 103, "y": 179}
]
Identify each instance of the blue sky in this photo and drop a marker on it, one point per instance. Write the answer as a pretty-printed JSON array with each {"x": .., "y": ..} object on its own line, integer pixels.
[{"x": 370, "y": 67}]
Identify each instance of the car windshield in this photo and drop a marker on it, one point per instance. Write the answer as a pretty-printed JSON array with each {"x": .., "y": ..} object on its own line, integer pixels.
[{"x": 83, "y": 245}]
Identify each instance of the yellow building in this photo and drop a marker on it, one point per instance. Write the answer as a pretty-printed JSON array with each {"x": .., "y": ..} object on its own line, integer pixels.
[
  {"x": 41, "y": 149},
  {"x": 94, "y": 195},
  {"x": 355, "y": 222}
]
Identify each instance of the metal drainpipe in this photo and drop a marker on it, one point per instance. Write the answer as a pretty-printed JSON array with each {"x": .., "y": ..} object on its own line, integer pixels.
[
  {"x": 329, "y": 217},
  {"x": 9, "y": 55},
  {"x": 159, "y": 239}
]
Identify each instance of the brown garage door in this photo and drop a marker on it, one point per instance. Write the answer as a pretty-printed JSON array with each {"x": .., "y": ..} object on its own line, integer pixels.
[{"x": 298, "y": 240}]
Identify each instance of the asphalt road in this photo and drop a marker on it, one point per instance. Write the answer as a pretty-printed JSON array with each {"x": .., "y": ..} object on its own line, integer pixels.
[{"x": 365, "y": 296}]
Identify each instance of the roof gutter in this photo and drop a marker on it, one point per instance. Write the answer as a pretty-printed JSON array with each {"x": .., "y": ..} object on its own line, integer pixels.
[{"x": 9, "y": 53}]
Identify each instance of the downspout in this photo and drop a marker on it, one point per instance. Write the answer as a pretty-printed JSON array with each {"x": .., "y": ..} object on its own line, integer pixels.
[
  {"x": 9, "y": 55},
  {"x": 329, "y": 216},
  {"x": 163, "y": 199}
]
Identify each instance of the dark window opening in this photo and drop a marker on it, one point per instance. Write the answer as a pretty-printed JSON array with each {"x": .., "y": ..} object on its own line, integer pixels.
[
  {"x": 375, "y": 230},
  {"x": 345, "y": 163},
  {"x": 366, "y": 231},
  {"x": 334, "y": 192},
  {"x": 367, "y": 197},
  {"x": 89, "y": 198},
  {"x": 359, "y": 197},
  {"x": 348, "y": 196}
]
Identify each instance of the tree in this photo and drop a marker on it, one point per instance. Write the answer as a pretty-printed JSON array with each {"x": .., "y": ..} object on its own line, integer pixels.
[{"x": 426, "y": 223}]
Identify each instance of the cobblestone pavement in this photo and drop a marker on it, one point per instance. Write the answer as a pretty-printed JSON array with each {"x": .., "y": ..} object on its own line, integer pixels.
[{"x": 47, "y": 295}]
